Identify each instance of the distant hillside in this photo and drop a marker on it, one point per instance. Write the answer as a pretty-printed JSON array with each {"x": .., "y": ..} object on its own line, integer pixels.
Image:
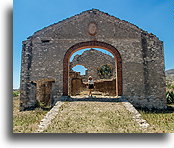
[{"x": 170, "y": 74}]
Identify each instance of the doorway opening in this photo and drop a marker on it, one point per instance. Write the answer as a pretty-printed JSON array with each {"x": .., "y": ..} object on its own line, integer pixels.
[
  {"x": 44, "y": 91},
  {"x": 101, "y": 74}
]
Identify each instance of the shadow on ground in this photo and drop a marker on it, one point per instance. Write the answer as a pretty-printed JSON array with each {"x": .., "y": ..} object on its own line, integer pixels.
[
  {"x": 169, "y": 109},
  {"x": 93, "y": 99}
]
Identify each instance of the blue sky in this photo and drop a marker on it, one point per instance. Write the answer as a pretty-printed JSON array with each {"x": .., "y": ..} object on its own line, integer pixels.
[
  {"x": 154, "y": 16},
  {"x": 82, "y": 69}
]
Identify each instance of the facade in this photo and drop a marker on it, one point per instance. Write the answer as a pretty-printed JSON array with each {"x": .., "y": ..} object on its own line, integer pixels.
[{"x": 138, "y": 56}]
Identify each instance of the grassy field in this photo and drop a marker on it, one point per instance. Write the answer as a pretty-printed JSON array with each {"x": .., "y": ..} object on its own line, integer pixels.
[
  {"x": 163, "y": 121},
  {"x": 27, "y": 121},
  {"x": 93, "y": 117}
]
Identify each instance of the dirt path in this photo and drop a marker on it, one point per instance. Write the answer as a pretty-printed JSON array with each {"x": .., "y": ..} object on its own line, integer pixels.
[{"x": 93, "y": 117}]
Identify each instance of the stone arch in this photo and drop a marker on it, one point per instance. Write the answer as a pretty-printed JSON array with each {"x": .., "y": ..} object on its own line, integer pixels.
[{"x": 93, "y": 44}]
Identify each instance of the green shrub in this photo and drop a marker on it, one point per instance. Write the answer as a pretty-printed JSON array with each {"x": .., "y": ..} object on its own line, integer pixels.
[
  {"x": 105, "y": 71},
  {"x": 170, "y": 97},
  {"x": 170, "y": 85},
  {"x": 42, "y": 105},
  {"x": 16, "y": 93}
]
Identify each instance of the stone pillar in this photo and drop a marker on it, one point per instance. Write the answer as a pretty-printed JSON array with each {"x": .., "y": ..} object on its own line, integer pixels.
[
  {"x": 27, "y": 99},
  {"x": 154, "y": 75}
]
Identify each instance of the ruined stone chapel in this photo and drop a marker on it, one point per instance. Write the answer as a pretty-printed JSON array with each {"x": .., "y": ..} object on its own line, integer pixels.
[{"x": 138, "y": 57}]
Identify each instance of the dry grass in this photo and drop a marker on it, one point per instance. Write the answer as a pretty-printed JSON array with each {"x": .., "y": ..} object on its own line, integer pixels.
[
  {"x": 27, "y": 121},
  {"x": 93, "y": 117},
  {"x": 163, "y": 121}
]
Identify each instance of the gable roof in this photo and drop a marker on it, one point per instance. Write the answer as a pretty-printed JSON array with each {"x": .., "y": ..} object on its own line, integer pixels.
[{"x": 91, "y": 11}]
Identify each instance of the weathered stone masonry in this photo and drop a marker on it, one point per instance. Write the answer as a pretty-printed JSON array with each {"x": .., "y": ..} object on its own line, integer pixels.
[{"x": 138, "y": 54}]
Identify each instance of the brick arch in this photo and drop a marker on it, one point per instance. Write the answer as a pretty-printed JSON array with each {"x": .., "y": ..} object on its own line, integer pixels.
[{"x": 93, "y": 44}]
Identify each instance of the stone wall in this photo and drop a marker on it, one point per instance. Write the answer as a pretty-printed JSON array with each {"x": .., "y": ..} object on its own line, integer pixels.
[
  {"x": 140, "y": 74},
  {"x": 105, "y": 86},
  {"x": 108, "y": 87},
  {"x": 93, "y": 59},
  {"x": 77, "y": 86}
]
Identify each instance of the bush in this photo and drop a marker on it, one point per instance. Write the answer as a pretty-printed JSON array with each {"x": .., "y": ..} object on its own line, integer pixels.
[
  {"x": 105, "y": 71},
  {"x": 16, "y": 93},
  {"x": 42, "y": 105},
  {"x": 170, "y": 85},
  {"x": 170, "y": 97}
]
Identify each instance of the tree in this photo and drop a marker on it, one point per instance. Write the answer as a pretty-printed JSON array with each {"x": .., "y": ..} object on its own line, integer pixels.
[{"x": 105, "y": 71}]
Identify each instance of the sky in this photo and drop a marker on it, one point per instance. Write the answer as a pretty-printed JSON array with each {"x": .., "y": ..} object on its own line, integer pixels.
[
  {"x": 154, "y": 16},
  {"x": 82, "y": 69}
]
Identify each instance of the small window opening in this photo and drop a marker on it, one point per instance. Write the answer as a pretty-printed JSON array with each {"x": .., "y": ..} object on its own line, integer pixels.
[{"x": 45, "y": 41}]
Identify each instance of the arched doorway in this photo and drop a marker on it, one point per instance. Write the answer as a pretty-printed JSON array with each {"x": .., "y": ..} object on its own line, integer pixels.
[{"x": 93, "y": 44}]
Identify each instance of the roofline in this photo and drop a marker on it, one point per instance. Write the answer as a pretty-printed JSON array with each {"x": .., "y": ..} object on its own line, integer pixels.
[{"x": 35, "y": 34}]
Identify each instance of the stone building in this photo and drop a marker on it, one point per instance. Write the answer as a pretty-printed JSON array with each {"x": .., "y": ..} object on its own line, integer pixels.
[
  {"x": 138, "y": 56},
  {"x": 92, "y": 60}
]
